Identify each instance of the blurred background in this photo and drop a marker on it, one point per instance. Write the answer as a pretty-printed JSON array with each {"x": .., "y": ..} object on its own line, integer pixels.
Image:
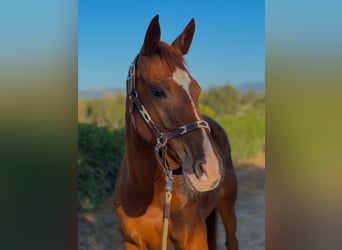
[
  {"x": 42, "y": 63},
  {"x": 226, "y": 58}
]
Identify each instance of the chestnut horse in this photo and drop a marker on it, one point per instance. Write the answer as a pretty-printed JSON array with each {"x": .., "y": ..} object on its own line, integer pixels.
[{"x": 162, "y": 112}]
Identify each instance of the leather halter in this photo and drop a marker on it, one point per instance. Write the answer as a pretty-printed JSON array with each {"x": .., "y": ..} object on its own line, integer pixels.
[{"x": 162, "y": 137}]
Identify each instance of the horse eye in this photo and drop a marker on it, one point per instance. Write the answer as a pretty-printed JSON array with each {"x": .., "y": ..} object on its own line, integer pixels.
[{"x": 158, "y": 92}]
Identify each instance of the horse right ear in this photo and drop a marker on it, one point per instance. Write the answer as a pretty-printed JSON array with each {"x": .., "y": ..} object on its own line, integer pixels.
[
  {"x": 152, "y": 37},
  {"x": 183, "y": 41}
]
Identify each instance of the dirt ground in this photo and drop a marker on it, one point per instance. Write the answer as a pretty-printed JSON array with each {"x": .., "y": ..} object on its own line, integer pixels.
[{"x": 99, "y": 230}]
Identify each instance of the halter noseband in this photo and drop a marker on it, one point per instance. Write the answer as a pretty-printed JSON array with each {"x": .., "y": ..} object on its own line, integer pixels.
[{"x": 162, "y": 137}]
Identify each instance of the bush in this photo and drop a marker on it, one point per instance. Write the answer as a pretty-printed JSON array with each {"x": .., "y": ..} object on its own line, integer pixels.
[
  {"x": 206, "y": 110},
  {"x": 246, "y": 134},
  {"x": 222, "y": 100},
  {"x": 105, "y": 112},
  {"x": 252, "y": 103},
  {"x": 100, "y": 151}
]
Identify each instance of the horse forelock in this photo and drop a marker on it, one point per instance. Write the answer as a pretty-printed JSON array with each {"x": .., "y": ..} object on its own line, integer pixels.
[{"x": 169, "y": 56}]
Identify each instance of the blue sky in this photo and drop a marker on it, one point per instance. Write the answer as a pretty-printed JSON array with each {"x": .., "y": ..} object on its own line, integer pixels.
[{"x": 228, "y": 44}]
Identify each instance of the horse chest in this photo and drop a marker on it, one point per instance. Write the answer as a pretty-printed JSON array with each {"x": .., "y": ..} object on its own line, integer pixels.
[{"x": 146, "y": 229}]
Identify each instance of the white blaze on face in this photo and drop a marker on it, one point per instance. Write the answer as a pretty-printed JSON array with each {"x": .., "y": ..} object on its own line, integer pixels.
[{"x": 211, "y": 167}]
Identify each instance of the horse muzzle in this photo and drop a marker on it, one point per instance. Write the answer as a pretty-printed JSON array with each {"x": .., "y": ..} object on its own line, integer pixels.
[{"x": 204, "y": 176}]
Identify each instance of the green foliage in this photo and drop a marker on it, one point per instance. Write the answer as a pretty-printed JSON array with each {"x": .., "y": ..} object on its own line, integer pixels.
[
  {"x": 252, "y": 103},
  {"x": 99, "y": 156},
  {"x": 105, "y": 112},
  {"x": 206, "y": 110},
  {"x": 222, "y": 100},
  {"x": 215, "y": 102},
  {"x": 246, "y": 134}
]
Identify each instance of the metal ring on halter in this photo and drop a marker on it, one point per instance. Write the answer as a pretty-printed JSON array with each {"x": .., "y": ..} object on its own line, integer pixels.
[
  {"x": 133, "y": 96},
  {"x": 161, "y": 139}
]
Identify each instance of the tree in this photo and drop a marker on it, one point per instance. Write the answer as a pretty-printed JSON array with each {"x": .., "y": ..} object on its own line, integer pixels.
[
  {"x": 222, "y": 100},
  {"x": 252, "y": 103}
]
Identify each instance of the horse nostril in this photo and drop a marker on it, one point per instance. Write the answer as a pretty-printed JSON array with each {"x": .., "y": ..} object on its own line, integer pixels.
[{"x": 198, "y": 168}]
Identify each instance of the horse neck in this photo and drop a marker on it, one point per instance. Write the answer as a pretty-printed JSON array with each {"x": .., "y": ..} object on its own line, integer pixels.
[{"x": 142, "y": 165}]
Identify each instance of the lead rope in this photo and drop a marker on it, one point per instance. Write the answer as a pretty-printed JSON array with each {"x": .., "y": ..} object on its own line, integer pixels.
[
  {"x": 160, "y": 152},
  {"x": 166, "y": 210}
]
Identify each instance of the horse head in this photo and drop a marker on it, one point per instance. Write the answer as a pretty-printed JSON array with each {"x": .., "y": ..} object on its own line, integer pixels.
[{"x": 169, "y": 95}]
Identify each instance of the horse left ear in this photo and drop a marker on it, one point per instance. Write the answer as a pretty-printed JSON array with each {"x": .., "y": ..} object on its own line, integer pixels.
[
  {"x": 183, "y": 41},
  {"x": 152, "y": 37}
]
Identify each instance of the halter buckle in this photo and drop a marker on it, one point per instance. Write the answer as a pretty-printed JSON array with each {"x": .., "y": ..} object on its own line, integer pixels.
[
  {"x": 131, "y": 79},
  {"x": 131, "y": 72},
  {"x": 132, "y": 98}
]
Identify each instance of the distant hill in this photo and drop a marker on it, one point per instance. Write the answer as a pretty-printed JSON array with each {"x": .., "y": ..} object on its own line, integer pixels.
[
  {"x": 98, "y": 93},
  {"x": 258, "y": 87}
]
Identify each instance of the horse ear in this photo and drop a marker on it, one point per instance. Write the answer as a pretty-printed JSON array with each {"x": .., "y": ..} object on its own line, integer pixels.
[
  {"x": 152, "y": 37},
  {"x": 183, "y": 41}
]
